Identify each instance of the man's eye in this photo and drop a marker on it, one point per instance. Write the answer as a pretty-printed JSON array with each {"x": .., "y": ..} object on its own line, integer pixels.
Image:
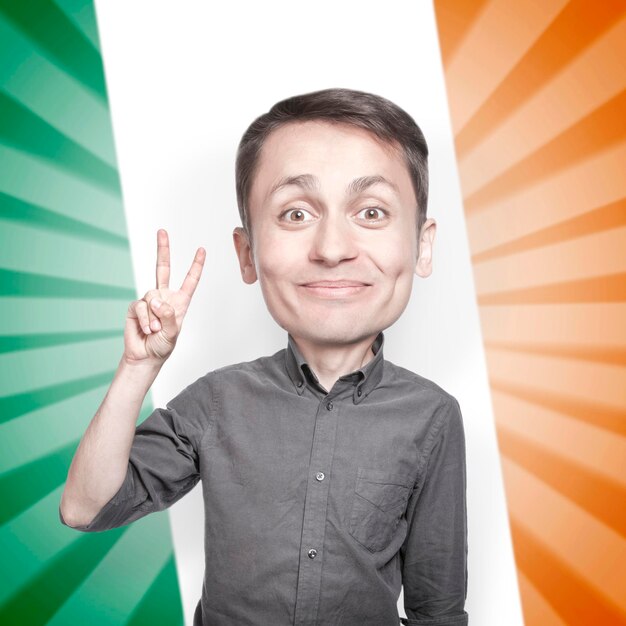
[
  {"x": 295, "y": 215},
  {"x": 372, "y": 214}
]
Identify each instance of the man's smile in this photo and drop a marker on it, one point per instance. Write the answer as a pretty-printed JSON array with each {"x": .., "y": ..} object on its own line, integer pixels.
[{"x": 335, "y": 288}]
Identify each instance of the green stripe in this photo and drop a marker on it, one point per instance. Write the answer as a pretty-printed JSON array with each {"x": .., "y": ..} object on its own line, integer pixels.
[
  {"x": 24, "y": 486},
  {"x": 161, "y": 603},
  {"x": 23, "y": 129},
  {"x": 20, "y": 403},
  {"x": 50, "y": 30},
  {"x": 121, "y": 580},
  {"x": 53, "y": 94},
  {"x": 12, "y": 208},
  {"x": 25, "y": 315},
  {"x": 82, "y": 14},
  {"x": 39, "y": 182},
  {"x": 57, "y": 425},
  {"x": 63, "y": 255},
  {"x": 66, "y": 279},
  {"x": 40, "y": 599},
  {"x": 9, "y": 343},
  {"x": 27, "y": 284}
]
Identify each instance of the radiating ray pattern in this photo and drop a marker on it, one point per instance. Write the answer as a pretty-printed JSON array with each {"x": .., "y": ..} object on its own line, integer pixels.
[
  {"x": 66, "y": 279},
  {"x": 537, "y": 96}
]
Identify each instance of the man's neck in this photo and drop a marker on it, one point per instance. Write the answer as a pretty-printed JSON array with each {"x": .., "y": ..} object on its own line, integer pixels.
[{"x": 331, "y": 361}]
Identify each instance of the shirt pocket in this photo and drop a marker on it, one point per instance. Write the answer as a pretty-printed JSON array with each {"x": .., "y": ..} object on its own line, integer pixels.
[{"x": 379, "y": 502}]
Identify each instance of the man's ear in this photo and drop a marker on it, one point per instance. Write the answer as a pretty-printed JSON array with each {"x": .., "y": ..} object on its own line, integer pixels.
[
  {"x": 244, "y": 254},
  {"x": 424, "y": 265}
]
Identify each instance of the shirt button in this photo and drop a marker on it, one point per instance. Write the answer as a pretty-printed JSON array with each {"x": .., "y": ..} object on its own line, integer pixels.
[
  {"x": 299, "y": 383},
  {"x": 312, "y": 553},
  {"x": 329, "y": 406},
  {"x": 319, "y": 476},
  {"x": 358, "y": 392}
]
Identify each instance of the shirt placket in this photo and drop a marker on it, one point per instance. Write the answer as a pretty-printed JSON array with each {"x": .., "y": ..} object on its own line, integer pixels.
[{"x": 315, "y": 505}]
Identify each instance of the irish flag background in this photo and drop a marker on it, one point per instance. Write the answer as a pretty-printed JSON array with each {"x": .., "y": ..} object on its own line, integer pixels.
[{"x": 120, "y": 118}]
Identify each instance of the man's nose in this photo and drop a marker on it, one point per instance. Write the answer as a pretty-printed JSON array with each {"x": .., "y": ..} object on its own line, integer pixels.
[{"x": 333, "y": 240}]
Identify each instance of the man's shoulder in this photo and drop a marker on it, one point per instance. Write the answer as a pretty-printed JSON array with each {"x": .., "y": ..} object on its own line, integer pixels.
[
  {"x": 419, "y": 384},
  {"x": 428, "y": 399},
  {"x": 262, "y": 366}
]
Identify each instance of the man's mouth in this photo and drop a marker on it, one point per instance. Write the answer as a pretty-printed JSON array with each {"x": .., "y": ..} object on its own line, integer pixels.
[
  {"x": 335, "y": 283},
  {"x": 335, "y": 288}
]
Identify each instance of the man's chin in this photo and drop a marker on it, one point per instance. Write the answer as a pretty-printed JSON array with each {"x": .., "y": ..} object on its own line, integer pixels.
[{"x": 332, "y": 333}]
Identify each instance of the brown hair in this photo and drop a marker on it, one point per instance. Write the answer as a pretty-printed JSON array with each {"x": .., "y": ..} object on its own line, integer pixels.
[{"x": 376, "y": 114}]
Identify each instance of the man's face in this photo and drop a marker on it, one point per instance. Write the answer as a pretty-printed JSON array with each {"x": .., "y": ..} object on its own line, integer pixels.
[{"x": 335, "y": 249}]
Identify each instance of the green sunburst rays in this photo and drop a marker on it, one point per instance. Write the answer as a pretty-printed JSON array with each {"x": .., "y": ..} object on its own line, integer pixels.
[
  {"x": 101, "y": 578},
  {"x": 66, "y": 280}
]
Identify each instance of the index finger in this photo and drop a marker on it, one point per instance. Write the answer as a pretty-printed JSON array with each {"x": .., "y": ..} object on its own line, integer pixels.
[
  {"x": 195, "y": 271},
  {"x": 163, "y": 260}
]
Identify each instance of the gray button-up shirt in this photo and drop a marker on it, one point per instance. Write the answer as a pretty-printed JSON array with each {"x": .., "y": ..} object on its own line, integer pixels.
[{"x": 318, "y": 505}]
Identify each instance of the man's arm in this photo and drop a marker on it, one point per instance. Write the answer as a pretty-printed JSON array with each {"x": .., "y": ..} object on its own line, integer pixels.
[
  {"x": 100, "y": 463},
  {"x": 434, "y": 553},
  {"x": 164, "y": 460},
  {"x": 100, "y": 474}
]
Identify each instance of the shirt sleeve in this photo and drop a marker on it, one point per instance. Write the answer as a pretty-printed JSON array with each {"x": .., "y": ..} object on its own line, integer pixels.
[
  {"x": 434, "y": 553},
  {"x": 164, "y": 460}
]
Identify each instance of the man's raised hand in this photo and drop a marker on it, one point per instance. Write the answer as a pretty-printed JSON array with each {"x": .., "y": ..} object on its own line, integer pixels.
[{"x": 154, "y": 322}]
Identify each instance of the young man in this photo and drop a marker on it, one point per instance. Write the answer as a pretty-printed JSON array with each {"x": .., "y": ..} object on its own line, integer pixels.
[{"x": 331, "y": 476}]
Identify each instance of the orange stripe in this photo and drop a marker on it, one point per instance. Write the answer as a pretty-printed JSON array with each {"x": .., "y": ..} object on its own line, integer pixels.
[
  {"x": 537, "y": 610},
  {"x": 613, "y": 420},
  {"x": 610, "y": 288},
  {"x": 454, "y": 19},
  {"x": 575, "y": 325},
  {"x": 593, "y": 448},
  {"x": 576, "y": 602},
  {"x": 604, "y": 127},
  {"x": 590, "y": 490},
  {"x": 604, "y": 218},
  {"x": 575, "y": 28},
  {"x": 608, "y": 355},
  {"x": 593, "y": 183}
]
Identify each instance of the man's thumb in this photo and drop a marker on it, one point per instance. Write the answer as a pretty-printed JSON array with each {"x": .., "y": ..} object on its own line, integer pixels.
[{"x": 167, "y": 317}]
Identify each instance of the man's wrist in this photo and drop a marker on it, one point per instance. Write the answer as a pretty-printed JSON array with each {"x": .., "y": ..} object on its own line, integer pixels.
[{"x": 140, "y": 374}]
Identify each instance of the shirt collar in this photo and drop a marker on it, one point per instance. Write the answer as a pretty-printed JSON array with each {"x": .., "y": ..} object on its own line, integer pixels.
[{"x": 365, "y": 379}]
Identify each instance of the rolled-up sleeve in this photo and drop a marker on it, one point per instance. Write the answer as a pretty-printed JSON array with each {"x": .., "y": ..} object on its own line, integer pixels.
[
  {"x": 434, "y": 553},
  {"x": 163, "y": 465}
]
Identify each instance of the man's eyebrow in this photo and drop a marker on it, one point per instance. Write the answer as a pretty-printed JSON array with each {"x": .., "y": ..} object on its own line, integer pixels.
[
  {"x": 306, "y": 181},
  {"x": 312, "y": 183},
  {"x": 359, "y": 185}
]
